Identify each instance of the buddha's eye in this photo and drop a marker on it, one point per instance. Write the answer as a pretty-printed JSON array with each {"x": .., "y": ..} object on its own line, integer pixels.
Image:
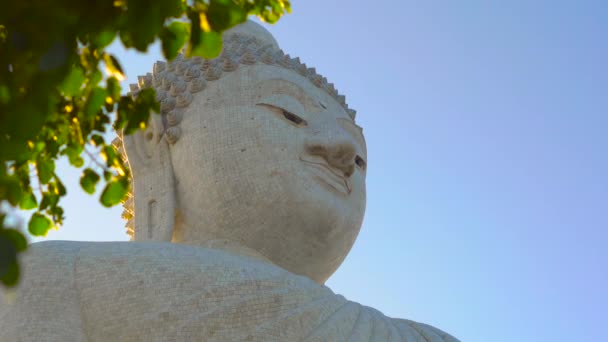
[
  {"x": 287, "y": 115},
  {"x": 360, "y": 162},
  {"x": 294, "y": 118}
]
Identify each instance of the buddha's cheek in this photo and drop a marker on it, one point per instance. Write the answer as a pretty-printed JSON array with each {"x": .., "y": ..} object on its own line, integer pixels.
[{"x": 307, "y": 209}]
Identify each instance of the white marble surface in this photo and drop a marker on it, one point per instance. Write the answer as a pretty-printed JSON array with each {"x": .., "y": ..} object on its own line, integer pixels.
[
  {"x": 249, "y": 192},
  {"x": 150, "y": 291}
]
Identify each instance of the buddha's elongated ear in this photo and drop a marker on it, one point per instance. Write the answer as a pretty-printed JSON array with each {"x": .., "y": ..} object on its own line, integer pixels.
[{"x": 153, "y": 201}]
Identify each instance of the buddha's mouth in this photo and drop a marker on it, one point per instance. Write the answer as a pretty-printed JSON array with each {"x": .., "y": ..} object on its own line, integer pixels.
[{"x": 328, "y": 176}]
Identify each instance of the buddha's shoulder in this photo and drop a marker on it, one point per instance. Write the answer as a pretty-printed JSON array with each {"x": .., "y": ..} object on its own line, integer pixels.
[
  {"x": 167, "y": 289},
  {"x": 152, "y": 263},
  {"x": 116, "y": 254}
]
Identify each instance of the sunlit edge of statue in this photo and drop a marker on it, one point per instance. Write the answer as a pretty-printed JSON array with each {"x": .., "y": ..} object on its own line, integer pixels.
[{"x": 271, "y": 207}]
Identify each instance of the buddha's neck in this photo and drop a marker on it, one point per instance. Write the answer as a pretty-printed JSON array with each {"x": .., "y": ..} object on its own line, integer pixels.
[{"x": 233, "y": 247}]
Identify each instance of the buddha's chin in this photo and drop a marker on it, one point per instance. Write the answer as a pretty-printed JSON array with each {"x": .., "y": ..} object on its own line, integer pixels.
[
  {"x": 308, "y": 245},
  {"x": 317, "y": 250},
  {"x": 304, "y": 228},
  {"x": 318, "y": 232}
]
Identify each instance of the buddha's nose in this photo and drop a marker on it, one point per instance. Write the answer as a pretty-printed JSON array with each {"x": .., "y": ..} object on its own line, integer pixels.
[{"x": 339, "y": 152}]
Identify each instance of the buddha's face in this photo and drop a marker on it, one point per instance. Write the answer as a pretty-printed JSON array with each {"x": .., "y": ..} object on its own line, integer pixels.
[{"x": 271, "y": 162}]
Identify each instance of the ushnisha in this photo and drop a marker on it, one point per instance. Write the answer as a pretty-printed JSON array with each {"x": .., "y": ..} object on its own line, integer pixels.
[{"x": 248, "y": 193}]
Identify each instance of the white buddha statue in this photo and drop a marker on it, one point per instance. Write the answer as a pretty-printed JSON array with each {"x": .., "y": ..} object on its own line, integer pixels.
[{"x": 248, "y": 193}]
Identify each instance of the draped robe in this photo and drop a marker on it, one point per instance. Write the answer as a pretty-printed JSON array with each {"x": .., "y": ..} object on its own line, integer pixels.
[{"x": 148, "y": 291}]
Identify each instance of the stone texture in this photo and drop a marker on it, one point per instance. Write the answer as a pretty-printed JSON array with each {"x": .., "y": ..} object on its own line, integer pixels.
[
  {"x": 150, "y": 291},
  {"x": 248, "y": 193}
]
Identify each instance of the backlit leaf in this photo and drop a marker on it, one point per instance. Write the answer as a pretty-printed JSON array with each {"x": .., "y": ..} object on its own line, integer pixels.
[
  {"x": 96, "y": 99},
  {"x": 55, "y": 100},
  {"x": 174, "y": 37},
  {"x": 209, "y": 45},
  {"x": 5, "y": 94},
  {"x": 61, "y": 190},
  {"x": 48, "y": 199},
  {"x": 113, "y": 68},
  {"x": 114, "y": 192},
  {"x": 143, "y": 105},
  {"x": 97, "y": 140},
  {"x": 95, "y": 77},
  {"x": 72, "y": 83},
  {"x": 108, "y": 153},
  {"x": 73, "y": 152},
  {"x": 107, "y": 175},
  {"x": 113, "y": 88},
  {"x": 11, "y": 188},
  {"x": 28, "y": 201},
  {"x": 39, "y": 225},
  {"x": 89, "y": 180},
  {"x": 46, "y": 170},
  {"x": 103, "y": 39},
  {"x": 224, "y": 14}
]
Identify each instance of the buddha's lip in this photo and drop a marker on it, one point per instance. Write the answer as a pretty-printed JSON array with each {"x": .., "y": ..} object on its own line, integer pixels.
[{"x": 329, "y": 176}]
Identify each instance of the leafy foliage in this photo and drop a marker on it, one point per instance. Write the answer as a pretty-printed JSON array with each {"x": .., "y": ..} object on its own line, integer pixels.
[{"x": 56, "y": 101}]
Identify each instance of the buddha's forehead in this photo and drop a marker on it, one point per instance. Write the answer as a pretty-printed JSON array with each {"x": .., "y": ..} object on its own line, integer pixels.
[
  {"x": 246, "y": 88},
  {"x": 259, "y": 82}
]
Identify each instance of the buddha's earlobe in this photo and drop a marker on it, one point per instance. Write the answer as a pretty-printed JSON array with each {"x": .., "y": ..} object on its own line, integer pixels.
[{"x": 154, "y": 199}]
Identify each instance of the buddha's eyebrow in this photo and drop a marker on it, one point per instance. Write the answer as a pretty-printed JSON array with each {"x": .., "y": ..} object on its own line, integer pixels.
[
  {"x": 352, "y": 128},
  {"x": 280, "y": 86}
]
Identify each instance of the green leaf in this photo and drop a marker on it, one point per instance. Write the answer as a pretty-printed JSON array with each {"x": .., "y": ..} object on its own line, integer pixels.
[
  {"x": 72, "y": 83},
  {"x": 271, "y": 10},
  {"x": 11, "y": 188},
  {"x": 28, "y": 201},
  {"x": 8, "y": 252},
  {"x": 45, "y": 201},
  {"x": 11, "y": 242},
  {"x": 125, "y": 106},
  {"x": 113, "y": 68},
  {"x": 95, "y": 77},
  {"x": 114, "y": 192},
  {"x": 224, "y": 14},
  {"x": 209, "y": 45},
  {"x": 15, "y": 237},
  {"x": 113, "y": 88},
  {"x": 77, "y": 162},
  {"x": 39, "y": 146},
  {"x": 71, "y": 104},
  {"x": 96, "y": 99},
  {"x": 39, "y": 225},
  {"x": 174, "y": 37},
  {"x": 107, "y": 175},
  {"x": 3, "y": 33},
  {"x": 97, "y": 140},
  {"x": 11, "y": 276},
  {"x": 140, "y": 112},
  {"x": 108, "y": 153},
  {"x": 61, "y": 190},
  {"x": 73, "y": 152},
  {"x": 89, "y": 180},
  {"x": 173, "y": 8},
  {"x": 57, "y": 214},
  {"x": 143, "y": 21},
  {"x": 146, "y": 98},
  {"x": 46, "y": 170},
  {"x": 5, "y": 94},
  {"x": 103, "y": 38}
]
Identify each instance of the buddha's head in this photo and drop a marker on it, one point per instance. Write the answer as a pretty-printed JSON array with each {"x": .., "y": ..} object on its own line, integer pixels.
[{"x": 253, "y": 153}]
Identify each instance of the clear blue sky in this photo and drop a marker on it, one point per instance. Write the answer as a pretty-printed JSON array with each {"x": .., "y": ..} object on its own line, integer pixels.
[{"x": 486, "y": 126}]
